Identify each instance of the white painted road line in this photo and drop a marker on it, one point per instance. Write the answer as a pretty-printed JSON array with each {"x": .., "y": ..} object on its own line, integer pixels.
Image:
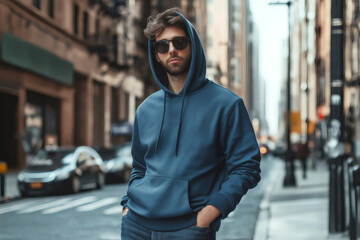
[
  {"x": 72, "y": 204},
  {"x": 98, "y": 204},
  {"x": 15, "y": 207},
  {"x": 113, "y": 210},
  {"x": 44, "y": 206}
]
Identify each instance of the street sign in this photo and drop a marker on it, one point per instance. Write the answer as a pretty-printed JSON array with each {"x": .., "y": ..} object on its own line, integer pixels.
[{"x": 295, "y": 122}]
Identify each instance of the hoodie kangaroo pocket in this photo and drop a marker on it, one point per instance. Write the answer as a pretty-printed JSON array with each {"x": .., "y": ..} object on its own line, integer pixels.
[{"x": 159, "y": 197}]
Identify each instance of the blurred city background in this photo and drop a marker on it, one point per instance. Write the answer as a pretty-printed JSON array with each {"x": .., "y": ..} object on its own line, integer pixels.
[{"x": 73, "y": 72}]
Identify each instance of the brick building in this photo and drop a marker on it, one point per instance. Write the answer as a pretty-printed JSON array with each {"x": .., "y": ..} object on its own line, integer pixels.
[{"x": 68, "y": 73}]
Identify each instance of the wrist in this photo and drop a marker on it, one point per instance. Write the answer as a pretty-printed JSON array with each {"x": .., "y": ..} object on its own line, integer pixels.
[{"x": 212, "y": 211}]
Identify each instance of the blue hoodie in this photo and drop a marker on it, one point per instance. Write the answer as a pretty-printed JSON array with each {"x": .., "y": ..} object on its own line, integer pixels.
[{"x": 191, "y": 149}]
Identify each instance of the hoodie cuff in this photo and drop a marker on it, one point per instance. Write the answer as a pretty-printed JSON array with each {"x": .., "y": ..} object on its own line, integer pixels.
[
  {"x": 223, "y": 203},
  {"x": 124, "y": 201}
]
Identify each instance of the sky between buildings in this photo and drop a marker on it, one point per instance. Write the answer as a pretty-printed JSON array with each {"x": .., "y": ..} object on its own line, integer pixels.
[{"x": 272, "y": 24}]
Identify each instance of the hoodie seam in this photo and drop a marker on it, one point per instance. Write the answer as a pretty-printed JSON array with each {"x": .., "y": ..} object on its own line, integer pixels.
[
  {"x": 227, "y": 90},
  {"x": 231, "y": 108}
]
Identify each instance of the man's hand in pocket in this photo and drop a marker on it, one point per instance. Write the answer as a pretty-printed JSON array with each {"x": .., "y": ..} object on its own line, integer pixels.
[
  {"x": 206, "y": 215},
  {"x": 125, "y": 210}
]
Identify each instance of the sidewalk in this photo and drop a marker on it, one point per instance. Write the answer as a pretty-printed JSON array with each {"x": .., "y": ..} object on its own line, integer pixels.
[{"x": 297, "y": 213}]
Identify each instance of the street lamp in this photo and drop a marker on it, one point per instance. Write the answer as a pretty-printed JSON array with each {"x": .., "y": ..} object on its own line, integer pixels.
[{"x": 289, "y": 180}]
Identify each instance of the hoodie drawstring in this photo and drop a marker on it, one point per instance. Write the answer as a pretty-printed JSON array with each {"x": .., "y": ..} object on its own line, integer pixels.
[
  {"x": 179, "y": 129},
  {"x": 162, "y": 123}
]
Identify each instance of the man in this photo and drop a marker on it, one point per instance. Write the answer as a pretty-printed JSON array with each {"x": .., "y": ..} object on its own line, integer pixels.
[{"x": 194, "y": 150}]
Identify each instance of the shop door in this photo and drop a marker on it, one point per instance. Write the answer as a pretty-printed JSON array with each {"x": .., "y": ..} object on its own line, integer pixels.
[
  {"x": 41, "y": 122},
  {"x": 8, "y": 126}
]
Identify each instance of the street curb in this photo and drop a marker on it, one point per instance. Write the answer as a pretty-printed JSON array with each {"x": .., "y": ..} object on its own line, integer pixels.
[
  {"x": 262, "y": 225},
  {"x": 9, "y": 200}
]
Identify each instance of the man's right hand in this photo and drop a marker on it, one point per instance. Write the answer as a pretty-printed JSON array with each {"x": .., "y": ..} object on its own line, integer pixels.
[{"x": 125, "y": 210}]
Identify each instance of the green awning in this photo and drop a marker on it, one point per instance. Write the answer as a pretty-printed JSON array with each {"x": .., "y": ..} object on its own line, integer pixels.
[{"x": 38, "y": 60}]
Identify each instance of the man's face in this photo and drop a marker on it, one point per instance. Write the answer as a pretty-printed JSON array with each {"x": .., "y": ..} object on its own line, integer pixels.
[{"x": 175, "y": 62}]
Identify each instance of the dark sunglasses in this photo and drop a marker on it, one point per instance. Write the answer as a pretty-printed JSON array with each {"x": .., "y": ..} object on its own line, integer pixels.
[{"x": 162, "y": 46}]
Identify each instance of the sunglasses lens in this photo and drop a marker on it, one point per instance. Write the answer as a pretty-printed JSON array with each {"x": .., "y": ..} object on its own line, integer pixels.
[
  {"x": 180, "y": 43},
  {"x": 162, "y": 46}
]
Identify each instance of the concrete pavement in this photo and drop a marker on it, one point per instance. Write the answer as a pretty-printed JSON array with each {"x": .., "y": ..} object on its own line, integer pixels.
[{"x": 297, "y": 213}]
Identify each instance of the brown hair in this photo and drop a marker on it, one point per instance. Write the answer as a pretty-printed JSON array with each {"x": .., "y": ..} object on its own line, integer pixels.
[{"x": 156, "y": 25}]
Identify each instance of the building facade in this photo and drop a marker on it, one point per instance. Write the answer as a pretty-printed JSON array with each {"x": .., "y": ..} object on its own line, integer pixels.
[
  {"x": 352, "y": 77},
  {"x": 66, "y": 74},
  {"x": 227, "y": 45},
  {"x": 311, "y": 70},
  {"x": 303, "y": 69}
]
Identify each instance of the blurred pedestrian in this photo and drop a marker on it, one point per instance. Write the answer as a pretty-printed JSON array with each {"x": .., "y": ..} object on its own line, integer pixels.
[
  {"x": 194, "y": 150},
  {"x": 301, "y": 152}
]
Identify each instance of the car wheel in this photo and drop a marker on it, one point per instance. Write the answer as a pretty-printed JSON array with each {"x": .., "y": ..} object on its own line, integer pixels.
[
  {"x": 100, "y": 180},
  {"x": 127, "y": 175},
  {"x": 24, "y": 194},
  {"x": 75, "y": 184}
]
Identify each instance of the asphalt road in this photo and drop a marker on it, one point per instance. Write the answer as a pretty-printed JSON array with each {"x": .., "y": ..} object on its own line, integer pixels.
[{"x": 96, "y": 215}]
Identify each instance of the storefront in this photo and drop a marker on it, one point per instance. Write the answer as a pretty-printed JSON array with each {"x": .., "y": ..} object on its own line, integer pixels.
[{"x": 36, "y": 101}]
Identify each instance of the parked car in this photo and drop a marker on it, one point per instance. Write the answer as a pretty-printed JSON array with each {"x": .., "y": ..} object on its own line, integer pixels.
[
  {"x": 62, "y": 170},
  {"x": 117, "y": 162}
]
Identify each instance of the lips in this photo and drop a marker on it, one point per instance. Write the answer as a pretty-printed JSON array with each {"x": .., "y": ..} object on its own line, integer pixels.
[{"x": 174, "y": 60}]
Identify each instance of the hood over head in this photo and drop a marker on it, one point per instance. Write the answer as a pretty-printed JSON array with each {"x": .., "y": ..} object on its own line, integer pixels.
[{"x": 196, "y": 76}]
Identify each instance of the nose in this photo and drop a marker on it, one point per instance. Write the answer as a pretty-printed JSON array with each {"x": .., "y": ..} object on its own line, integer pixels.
[{"x": 171, "y": 48}]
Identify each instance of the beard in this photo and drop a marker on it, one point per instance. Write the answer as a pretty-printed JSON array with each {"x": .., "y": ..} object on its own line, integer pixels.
[{"x": 177, "y": 68}]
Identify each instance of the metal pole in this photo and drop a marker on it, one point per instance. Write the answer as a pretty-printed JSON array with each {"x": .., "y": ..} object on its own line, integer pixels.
[
  {"x": 335, "y": 145},
  {"x": 289, "y": 180}
]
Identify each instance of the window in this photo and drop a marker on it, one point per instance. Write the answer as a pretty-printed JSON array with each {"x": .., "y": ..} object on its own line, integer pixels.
[
  {"x": 115, "y": 105},
  {"x": 37, "y": 4},
  {"x": 51, "y": 8},
  {"x": 76, "y": 19},
  {"x": 115, "y": 48},
  {"x": 97, "y": 29},
  {"x": 85, "y": 29}
]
